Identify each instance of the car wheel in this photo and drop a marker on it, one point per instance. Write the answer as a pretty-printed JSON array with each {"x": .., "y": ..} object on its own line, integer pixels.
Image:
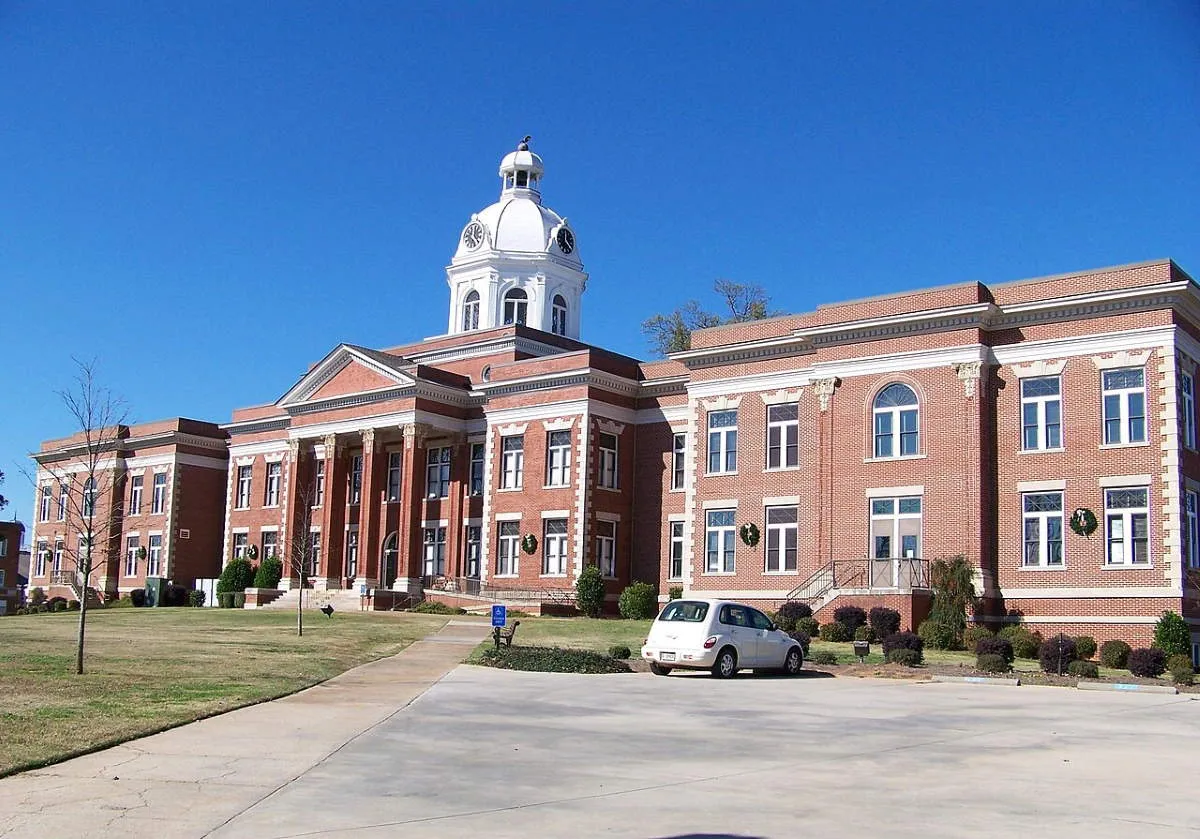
[
  {"x": 793, "y": 662},
  {"x": 658, "y": 670},
  {"x": 726, "y": 664}
]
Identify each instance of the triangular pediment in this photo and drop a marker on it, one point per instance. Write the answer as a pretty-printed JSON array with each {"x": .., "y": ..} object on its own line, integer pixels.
[{"x": 348, "y": 370}]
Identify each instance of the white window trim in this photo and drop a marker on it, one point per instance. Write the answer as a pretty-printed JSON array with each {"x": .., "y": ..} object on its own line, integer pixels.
[
  {"x": 1127, "y": 514},
  {"x": 1043, "y": 518},
  {"x": 1187, "y": 404},
  {"x": 783, "y": 426},
  {"x": 721, "y": 551},
  {"x": 723, "y": 433},
  {"x": 1043, "y": 428},
  {"x": 1123, "y": 417}
]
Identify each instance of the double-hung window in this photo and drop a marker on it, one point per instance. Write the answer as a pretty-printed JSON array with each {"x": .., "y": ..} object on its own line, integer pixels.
[
  {"x": 43, "y": 553},
  {"x": 896, "y": 421},
  {"x": 270, "y": 544},
  {"x": 554, "y": 547},
  {"x": 355, "y": 478},
  {"x": 783, "y": 434},
  {"x": 1041, "y": 413},
  {"x": 678, "y": 463},
  {"x": 395, "y": 467},
  {"x": 241, "y": 544},
  {"x": 274, "y": 476},
  {"x": 62, "y": 501},
  {"x": 89, "y": 497},
  {"x": 896, "y": 528},
  {"x": 243, "y": 487},
  {"x": 154, "y": 556},
  {"x": 318, "y": 482},
  {"x": 59, "y": 548},
  {"x": 1042, "y": 522},
  {"x": 474, "y": 545},
  {"x": 606, "y": 547},
  {"x": 435, "y": 552},
  {"x": 437, "y": 473},
  {"x": 470, "y": 311},
  {"x": 508, "y": 548},
  {"x": 1124, "y": 406},
  {"x": 131, "y": 556},
  {"x": 135, "y": 495},
  {"x": 608, "y": 461},
  {"x": 781, "y": 539},
  {"x": 1127, "y": 526},
  {"x": 512, "y": 462},
  {"x": 1187, "y": 410},
  {"x": 718, "y": 553},
  {"x": 314, "y": 552},
  {"x": 158, "y": 493},
  {"x": 722, "y": 442},
  {"x": 675, "y": 569},
  {"x": 46, "y": 500},
  {"x": 558, "y": 459},
  {"x": 1191, "y": 533},
  {"x": 477, "y": 451}
]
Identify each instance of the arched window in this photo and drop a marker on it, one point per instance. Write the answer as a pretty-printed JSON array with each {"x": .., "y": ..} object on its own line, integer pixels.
[
  {"x": 896, "y": 425},
  {"x": 388, "y": 565},
  {"x": 558, "y": 315},
  {"x": 516, "y": 306},
  {"x": 470, "y": 319},
  {"x": 89, "y": 497}
]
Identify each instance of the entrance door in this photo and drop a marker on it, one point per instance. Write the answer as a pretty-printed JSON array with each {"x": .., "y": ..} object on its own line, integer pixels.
[{"x": 387, "y": 568}]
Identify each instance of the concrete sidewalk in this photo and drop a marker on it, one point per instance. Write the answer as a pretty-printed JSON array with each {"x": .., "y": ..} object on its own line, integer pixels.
[{"x": 191, "y": 780}]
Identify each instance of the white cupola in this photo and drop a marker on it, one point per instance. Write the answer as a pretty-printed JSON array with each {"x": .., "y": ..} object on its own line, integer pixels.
[{"x": 517, "y": 260}]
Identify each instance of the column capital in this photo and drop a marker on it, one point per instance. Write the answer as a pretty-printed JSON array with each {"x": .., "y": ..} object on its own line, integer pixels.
[
  {"x": 824, "y": 389},
  {"x": 368, "y": 437},
  {"x": 294, "y": 449},
  {"x": 969, "y": 372},
  {"x": 331, "y": 445}
]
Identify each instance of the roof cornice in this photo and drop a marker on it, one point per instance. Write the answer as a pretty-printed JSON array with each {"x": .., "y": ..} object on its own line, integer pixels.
[{"x": 589, "y": 377}]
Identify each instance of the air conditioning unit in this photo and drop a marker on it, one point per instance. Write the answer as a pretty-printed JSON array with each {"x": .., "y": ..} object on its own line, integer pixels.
[{"x": 184, "y": 533}]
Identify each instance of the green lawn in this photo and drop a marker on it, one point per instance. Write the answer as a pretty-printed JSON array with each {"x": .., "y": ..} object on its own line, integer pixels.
[{"x": 150, "y": 669}]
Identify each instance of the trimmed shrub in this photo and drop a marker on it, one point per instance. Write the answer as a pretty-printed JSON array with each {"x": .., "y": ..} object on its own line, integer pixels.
[
  {"x": 196, "y": 598},
  {"x": 1025, "y": 644},
  {"x": 269, "y": 573},
  {"x": 54, "y": 601},
  {"x": 909, "y": 658},
  {"x": 639, "y": 601},
  {"x": 995, "y": 645},
  {"x": 59, "y": 606},
  {"x": 809, "y": 626},
  {"x": 73, "y": 605},
  {"x": 174, "y": 595},
  {"x": 992, "y": 663},
  {"x": 619, "y": 651},
  {"x": 1172, "y": 635},
  {"x": 803, "y": 637},
  {"x": 37, "y": 596},
  {"x": 589, "y": 592},
  {"x": 1085, "y": 647},
  {"x": 237, "y": 575},
  {"x": 904, "y": 641},
  {"x": 824, "y": 657},
  {"x": 1149, "y": 663},
  {"x": 1057, "y": 653},
  {"x": 791, "y": 612},
  {"x": 239, "y": 599},
  {"x": 938, "y": 636},
  {"x": 224, "y": 599},
  {"x": 1083, "y": 669},
  {"x": 433, "y": 607},
  {"x": 973, "y": 634},
  {"x": 883, "y": 621},
  {"x": 122, "y": 603},
  {"x": 864, "y": 633},
  {"x": 850, "y": 617},
  {"x": 1181, "y": 670},
  {"x": 834, "y": 632},
  {"x": 1114, "y": 654},
  {"x": 675, "y": 592},
  {"x": 551, "y": 660},
  {"x": 138, "y": 597}
]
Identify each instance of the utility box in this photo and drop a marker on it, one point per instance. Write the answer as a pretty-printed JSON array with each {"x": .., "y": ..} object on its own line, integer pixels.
[{"x": 154, "y": 590}]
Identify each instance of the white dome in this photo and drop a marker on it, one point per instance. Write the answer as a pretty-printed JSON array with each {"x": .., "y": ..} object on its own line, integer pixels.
[
  {"x": 521, "y": 159},
  {"x": 517, "y": 224}
]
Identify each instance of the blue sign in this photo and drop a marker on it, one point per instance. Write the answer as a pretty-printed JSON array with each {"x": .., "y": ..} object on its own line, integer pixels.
[{"x": 499, "y": 615}]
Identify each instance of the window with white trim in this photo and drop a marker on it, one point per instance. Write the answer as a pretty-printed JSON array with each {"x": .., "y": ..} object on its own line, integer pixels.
[
  {"x": 678, "y": 461},
  {"x": 46, "y": 500},
  {"x": 1187, "y": 409},
  {"x": 395, "y": 469},
  {"x": 896, "y": 412},
  {"x": 89, "y": 497},
  {"x": 512, "y": 461},
  {"x": 722, "y": 442},
  {"x": 471, "y": 311},
  {"x": 718, "y": 541},
  {"x": 896, "y": 527},
  {"x": 434, "y": 564},
  {"x": 241, "y": 544},
  {"x": 507, "y": 549},
  {"x": 558, "y": 315},
  {"x": 477, "y": 453},
  {"x": 318, "y": 482},
  {"x": 1191, "y": 535},
  {"x": 675, "y": 568},
  {"x": 270, "y": 544},
  {"x": 243, "y": 487},
  {"x": 558, "y": 458},
  {"x": 355, "y": 478},
  {"x": 554, "y": 547},
  {"x": 607, "y": 475},
  {"x": 351, "y": 553},
  {"x": 1041, "y": 413},
  {"x": 132, "y": 543},
  {"x": 158, "y": 493},
  {"x": 783, "y": 436},
  {"x": 59, "y": 548},
  {"x": 154, "y": 556},
  {"x": 135, "y": 495},
  {"x": 781, "y": 539},
  {"x": 606, "y": 547},
  {"x": 1124, "y": 406},
  {"x": 437, "y": 473},
  {"x": 62, "y": 501},
  {"x": 474, "y": 550},
  {"x": 1127, "y": 526},
  {"x": 314, "y": 553},
  {"x": 43, "y": 555},
  {"x": 1042, "y": 529},
  {"x": 271, "y": 493},
  {"x": 516, "y": 306}
]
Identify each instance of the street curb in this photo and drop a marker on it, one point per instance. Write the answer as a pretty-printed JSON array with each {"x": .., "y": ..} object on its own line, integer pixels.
[
  {"x": 978, "y": 680},
  {"x": 1128, "y": 687}
]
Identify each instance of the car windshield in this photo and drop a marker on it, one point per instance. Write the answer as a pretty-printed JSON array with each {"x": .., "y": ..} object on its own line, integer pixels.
[{"x": 684, "y": 610}]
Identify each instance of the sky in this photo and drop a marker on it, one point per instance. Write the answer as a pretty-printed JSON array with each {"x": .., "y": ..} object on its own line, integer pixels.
[{"x": 206, "y": 198}]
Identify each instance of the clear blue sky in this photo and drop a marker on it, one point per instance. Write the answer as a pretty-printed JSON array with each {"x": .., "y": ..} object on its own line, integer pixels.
[{"x": 207, "y": 197}]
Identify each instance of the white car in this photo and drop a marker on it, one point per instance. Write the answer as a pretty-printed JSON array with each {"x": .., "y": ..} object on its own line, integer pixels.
[{"x": 721, "y": 636}]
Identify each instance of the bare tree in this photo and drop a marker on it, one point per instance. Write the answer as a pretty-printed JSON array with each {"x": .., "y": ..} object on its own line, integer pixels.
[
  {"x": 3, "y": 500},
  {"x": 300, "y": 544},
  {"x": 90, "y": 496},
  {"x": 672, "y": 332}
]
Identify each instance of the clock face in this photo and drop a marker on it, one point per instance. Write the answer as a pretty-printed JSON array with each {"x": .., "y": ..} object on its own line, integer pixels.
[
  {"x": 473, "y": 236},
  {"x": 566, "y": 240}
]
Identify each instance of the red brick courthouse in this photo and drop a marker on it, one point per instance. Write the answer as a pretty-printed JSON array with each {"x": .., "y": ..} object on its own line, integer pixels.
[{"x": 860, "y": 440}]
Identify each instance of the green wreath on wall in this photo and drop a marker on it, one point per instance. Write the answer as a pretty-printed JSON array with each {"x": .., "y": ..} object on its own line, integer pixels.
[
  {"x": 749, "y": 533},
  {"x": 252, "y": 553},
  {"x": 1083, "y": 522},
  {"x": 529, "y": 543}
]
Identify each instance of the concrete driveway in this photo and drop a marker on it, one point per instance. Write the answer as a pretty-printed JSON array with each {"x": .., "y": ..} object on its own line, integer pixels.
[{"x": 501, "y": 754}]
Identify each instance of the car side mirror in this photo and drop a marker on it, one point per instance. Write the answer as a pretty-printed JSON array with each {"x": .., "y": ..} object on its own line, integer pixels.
[{"x": 772, "y": 627}]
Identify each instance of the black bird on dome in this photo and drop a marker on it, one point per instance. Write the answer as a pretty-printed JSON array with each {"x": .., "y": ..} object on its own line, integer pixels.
[{"x": 524, "y": 144}]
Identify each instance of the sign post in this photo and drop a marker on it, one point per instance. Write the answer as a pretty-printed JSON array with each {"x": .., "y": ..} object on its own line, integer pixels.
[{"x": 499, "y": 618}]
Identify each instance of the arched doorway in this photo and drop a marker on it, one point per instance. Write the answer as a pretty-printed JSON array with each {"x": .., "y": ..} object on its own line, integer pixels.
[{"x": 387, "y": 567}]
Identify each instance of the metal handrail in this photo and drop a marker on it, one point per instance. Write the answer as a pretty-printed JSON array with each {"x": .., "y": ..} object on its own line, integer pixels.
[
  {"x": 864, "y": 573},
  {"x": 474, "y": 587}
]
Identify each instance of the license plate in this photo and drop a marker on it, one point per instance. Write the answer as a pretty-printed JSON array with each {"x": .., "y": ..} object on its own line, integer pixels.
[{"x": 667, "y": 656}]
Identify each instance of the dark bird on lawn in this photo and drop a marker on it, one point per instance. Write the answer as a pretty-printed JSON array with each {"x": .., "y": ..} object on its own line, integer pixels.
[{"x": 327, "y": 610}]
